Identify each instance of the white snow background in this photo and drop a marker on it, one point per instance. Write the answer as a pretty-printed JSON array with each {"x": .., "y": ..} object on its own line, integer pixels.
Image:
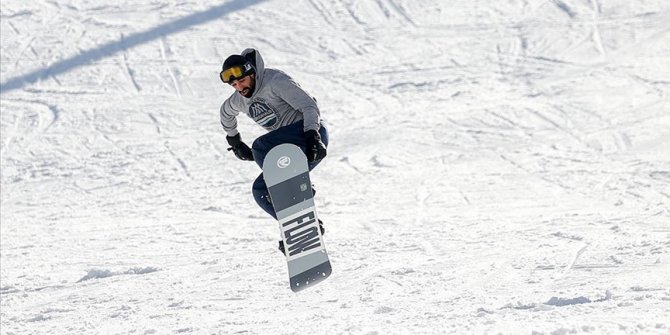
[{"x": 494, "y": 167}]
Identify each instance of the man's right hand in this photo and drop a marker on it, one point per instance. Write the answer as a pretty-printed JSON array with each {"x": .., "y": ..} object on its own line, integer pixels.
[{"x": 239, "y": 148}]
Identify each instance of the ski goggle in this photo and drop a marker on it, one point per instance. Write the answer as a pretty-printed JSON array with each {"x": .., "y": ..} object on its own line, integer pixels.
[{"x": 235, "y": 73}]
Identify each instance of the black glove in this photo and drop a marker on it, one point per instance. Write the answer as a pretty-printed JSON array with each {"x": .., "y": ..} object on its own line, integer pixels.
[
  {"x": 239, "y": 148},
  {"x": 315, "y": 150}
]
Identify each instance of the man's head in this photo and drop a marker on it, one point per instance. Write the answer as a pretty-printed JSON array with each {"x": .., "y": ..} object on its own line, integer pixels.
[{"x": 239, "y": 73}]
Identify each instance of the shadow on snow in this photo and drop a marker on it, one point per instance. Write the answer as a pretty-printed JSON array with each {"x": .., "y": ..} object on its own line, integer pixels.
[{"x": 111, "y": 48}]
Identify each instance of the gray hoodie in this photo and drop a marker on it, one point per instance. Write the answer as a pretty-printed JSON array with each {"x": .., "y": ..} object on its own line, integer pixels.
[{"x": 277, "y": 101}]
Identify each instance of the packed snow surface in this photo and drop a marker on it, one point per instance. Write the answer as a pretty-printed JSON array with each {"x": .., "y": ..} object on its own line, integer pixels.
[{"x": 494, "y": 167}]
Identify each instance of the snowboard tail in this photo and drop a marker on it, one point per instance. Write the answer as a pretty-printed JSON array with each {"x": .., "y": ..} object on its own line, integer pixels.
[{"x": 286, "y": 173}]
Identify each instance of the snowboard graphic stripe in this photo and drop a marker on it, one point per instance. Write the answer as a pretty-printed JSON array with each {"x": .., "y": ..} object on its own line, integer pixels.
[
  {"x": 311, "y": 276},
  {"x": 290, "y": 194}
]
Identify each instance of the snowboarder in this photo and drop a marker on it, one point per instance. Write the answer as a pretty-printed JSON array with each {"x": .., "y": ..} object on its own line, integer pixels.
[{"x": 277, "y": 103}]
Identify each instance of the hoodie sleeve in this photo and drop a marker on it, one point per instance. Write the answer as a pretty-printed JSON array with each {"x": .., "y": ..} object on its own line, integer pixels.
[
  {"x": 287, "y": 89},
  {"x": 229, "y": 117}
]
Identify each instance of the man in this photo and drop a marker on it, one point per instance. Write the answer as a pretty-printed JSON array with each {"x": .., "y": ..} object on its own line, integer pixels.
[{"x": 277, "y": 103}]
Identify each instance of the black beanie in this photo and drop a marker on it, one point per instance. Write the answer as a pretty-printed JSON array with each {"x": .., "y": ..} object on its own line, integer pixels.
[{"x": 237, "y": 60}]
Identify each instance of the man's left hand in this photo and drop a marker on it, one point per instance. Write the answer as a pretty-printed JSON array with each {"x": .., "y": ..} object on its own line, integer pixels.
[{"x": 315, "y": 150}]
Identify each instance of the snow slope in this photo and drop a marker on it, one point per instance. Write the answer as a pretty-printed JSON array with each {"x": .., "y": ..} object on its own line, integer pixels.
[{"x": 495, "y": 167}]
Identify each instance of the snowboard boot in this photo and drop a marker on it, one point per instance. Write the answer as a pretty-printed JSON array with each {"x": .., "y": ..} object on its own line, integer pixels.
[
  {"x": 281, "y": 242},
  {"x": 281, "y": 247}
]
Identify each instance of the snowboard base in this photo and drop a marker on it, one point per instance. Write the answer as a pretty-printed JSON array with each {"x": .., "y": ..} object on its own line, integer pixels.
[{"x": 286, "y": 174}]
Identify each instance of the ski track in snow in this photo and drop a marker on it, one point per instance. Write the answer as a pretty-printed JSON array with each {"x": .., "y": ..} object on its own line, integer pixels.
[{"x": 493, "y": 168}]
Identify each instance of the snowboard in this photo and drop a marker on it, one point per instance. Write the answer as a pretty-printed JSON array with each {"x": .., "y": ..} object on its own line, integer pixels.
[{"x": 287, "y": 177}]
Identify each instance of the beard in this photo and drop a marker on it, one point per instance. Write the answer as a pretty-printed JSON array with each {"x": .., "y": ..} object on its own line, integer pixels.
[{"x": 249, "y": 91}]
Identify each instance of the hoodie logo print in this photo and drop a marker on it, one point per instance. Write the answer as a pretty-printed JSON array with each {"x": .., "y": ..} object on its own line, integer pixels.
[{"x": 263, "y": 114}]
